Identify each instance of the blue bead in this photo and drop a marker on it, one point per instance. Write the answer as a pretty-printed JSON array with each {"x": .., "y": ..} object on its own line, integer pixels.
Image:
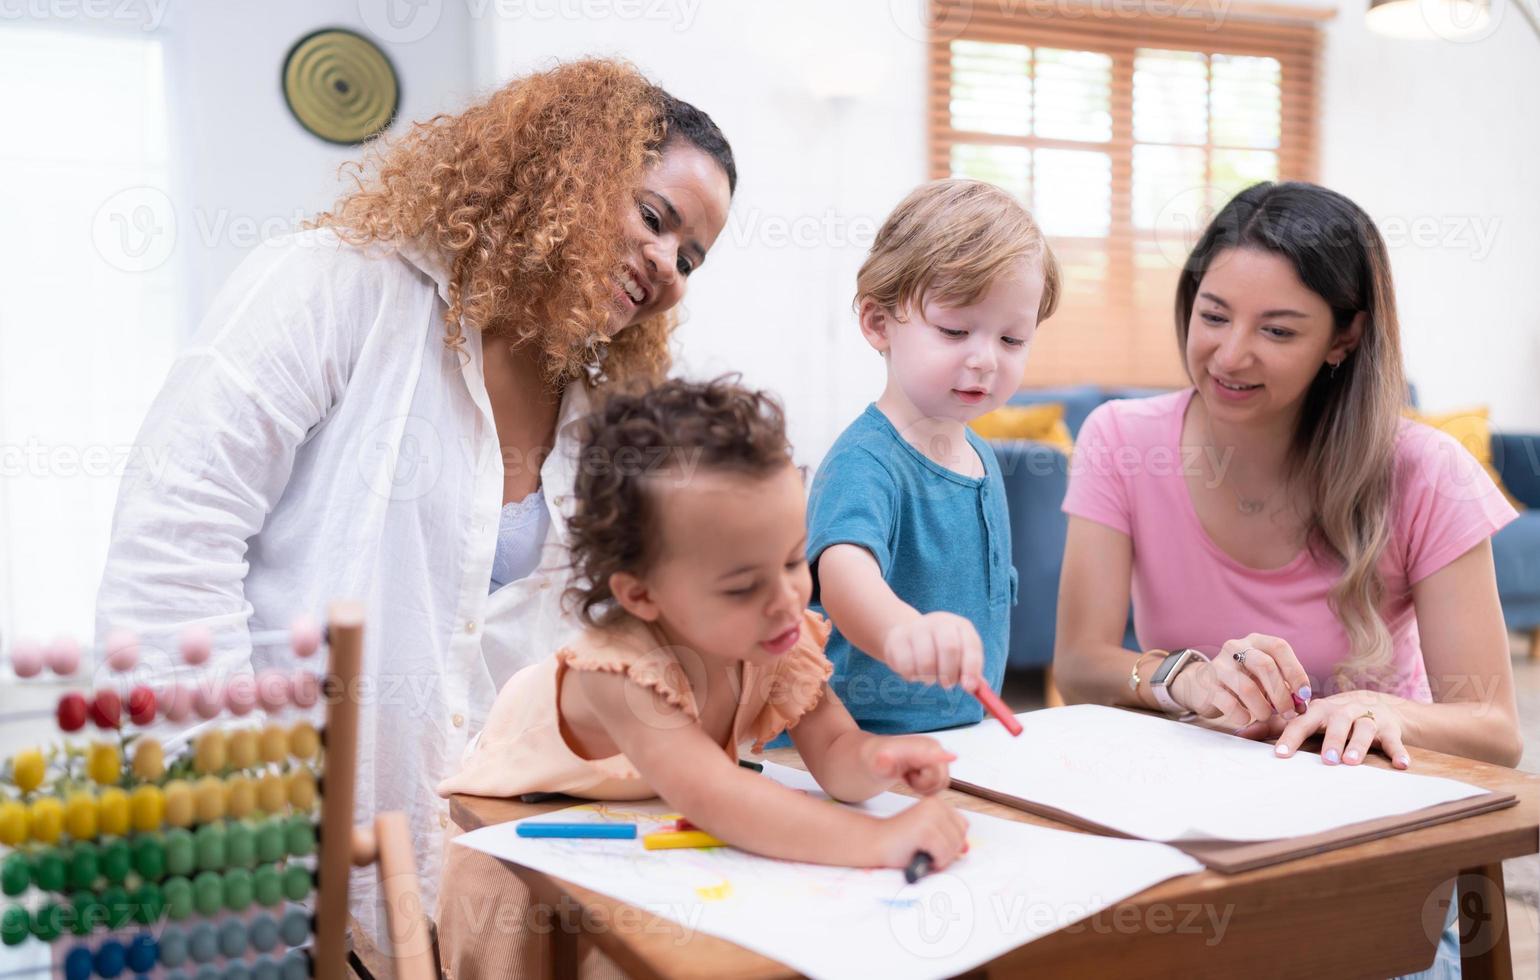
[
  {"x": 173, "y": 945},
  {"x": 207, "y": 971},
  {"x": 202, "y": 943},
  {"x": 263, "y": 932},
  {"x": 236, "y": 970},
  {"x": 78, "y": 964},
  {"x": 142, "y": 953},
  {"x": 109, "y": 959},
  {"x": 232, "y": 938},
  {"x": 296, "y": 926},
  {"x": 264, "y": 967},
  {"x": 296, "y": 965}
]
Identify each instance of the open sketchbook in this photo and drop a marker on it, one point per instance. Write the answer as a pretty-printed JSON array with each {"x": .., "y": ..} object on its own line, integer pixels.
[
  {"x": 1230, "y": 802},
  {"x": 1016, "y": 883}
]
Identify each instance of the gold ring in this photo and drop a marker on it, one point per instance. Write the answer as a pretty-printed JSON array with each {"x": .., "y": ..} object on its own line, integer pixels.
[{"x": 1369, "y": 714}]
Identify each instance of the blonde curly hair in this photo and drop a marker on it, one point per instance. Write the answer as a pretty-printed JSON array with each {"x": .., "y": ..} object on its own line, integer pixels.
[{"x": 524, "y": 197}]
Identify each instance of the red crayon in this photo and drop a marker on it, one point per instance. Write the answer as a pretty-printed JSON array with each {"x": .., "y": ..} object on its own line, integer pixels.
[{"x": 992, "y": 703}]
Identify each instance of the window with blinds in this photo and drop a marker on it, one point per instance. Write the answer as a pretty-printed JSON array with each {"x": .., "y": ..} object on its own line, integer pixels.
[{"x": 1124, "y": 135}]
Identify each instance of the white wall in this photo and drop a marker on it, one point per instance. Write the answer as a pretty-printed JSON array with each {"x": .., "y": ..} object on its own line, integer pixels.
[{"x": 1433, "y": 138}]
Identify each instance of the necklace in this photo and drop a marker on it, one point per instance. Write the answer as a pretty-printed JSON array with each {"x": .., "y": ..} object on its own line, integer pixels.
[{"x": 1248, "y": 506}]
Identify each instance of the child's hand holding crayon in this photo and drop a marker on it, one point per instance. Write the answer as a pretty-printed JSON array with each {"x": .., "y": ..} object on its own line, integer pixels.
[
  {"x": 936, "y": 648},
  {"x": 930, "y": 827}
]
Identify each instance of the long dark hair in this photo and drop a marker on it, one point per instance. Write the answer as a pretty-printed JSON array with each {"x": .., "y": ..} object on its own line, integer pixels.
[{"x": 1343, "y": 450}]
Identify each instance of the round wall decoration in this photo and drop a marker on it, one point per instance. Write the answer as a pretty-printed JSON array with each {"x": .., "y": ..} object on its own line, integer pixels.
[{"x": 340, "y": 85}]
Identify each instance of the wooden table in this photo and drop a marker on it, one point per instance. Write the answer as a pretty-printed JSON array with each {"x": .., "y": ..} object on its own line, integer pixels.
[{"x": 1359, "y": 911}]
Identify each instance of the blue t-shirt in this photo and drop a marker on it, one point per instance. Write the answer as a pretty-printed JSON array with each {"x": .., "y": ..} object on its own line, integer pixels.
[{"x": 943, "y": 542}]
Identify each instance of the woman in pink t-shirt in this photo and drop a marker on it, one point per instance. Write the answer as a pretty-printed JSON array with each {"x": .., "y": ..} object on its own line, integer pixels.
[{"x": 1282, "y": 519}]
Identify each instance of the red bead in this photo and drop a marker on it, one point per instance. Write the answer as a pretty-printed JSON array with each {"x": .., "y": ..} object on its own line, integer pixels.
[
  {"x": 72, "y": 712},
  {"x": 107, "y": 709},
  {"x": 141, "y": 705}
]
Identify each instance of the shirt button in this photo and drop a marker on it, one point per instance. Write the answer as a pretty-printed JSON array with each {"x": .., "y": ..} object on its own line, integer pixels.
[
  {"x": 470, "y": 627},
  {"x": 459, "y": 720}
]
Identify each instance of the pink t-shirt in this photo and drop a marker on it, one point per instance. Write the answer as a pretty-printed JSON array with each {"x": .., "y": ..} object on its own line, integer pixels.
[{"x": 1127, "y": 474}]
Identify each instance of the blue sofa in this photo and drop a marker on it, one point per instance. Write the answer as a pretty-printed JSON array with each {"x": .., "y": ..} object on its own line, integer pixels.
[{"x": 1036, "y": 477}]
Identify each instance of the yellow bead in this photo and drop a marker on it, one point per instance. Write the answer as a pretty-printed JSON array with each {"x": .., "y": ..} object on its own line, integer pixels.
[
  {"x": 275, "y": 744},
  {"x": 104, "y": 764},
  {"x": 13, "y": 823},
  {"x": 113, "y": 812},
  {"x": 46, "y": 819},
  {"x": 80, "y": 816},
  {"x": 27, "y": 770},
  {"x": 304, "y": 741},
  {"x": 210, "y": 752},
  {"x": 149, "y": 806},
  {"x": 179, "y": 803},
  {"x": 149, "y": 759},
  {"x": 242, "y": 796},
  {"x": 272, "y": 793},
  {"x": 243, "y": 748},
  {"x": 209, "y": 794},
  {"x": 302, "y": 789}
]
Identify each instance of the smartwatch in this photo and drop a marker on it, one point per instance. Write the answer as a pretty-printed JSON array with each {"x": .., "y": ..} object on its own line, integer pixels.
[{"x": 1165, "y": 674}]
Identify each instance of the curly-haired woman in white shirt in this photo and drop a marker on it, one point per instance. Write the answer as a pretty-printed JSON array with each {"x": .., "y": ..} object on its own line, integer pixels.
[{"x": 375, "y": 408}]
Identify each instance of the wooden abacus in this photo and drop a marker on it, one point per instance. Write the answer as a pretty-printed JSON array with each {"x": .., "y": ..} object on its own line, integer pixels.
[{"x": 199, "y": 870}]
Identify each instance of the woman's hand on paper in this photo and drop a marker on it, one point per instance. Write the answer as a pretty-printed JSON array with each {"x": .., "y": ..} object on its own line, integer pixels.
[
  {"x": 919, "y": 761},
  {"x": 1353, "y": 722},
  {"x": 1261, "y": 684}
]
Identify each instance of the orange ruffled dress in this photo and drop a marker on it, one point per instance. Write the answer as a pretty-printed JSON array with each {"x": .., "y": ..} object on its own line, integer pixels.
[{"x": 487, "y": 926}]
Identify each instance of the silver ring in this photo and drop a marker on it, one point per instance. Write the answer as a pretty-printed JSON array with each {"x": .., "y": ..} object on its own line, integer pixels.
[{"x": 1240, "y": 655}]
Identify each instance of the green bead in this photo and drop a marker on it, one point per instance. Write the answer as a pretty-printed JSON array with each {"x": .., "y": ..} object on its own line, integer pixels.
[
  {"x": 49, "y": 921},
  {"x": 208, "y": 892},
  {"x": 296, "y": 882},
  {"x": 181, "y": 852},
  {"x": 178, "y": 894},
  {"x": 150, "y": 857},
  {"x": 299, "y": 836},
  {"x": 14, "y": 928},
  {"x": 211, "y": 847},
  {"x": 89, "y": 913},
  {"x": 117, "y": 862},
  {"x": 240, "y": 845},
  {"x": 15, "y": 874},
  {"x": 267, "y": 885},
  {"x": 149, "y": 903},
  {"x": 120, "y": 908},
  {"x": 84, "y": 866},
  {"x": 270, "y": 842},
  {"x": 51, "y": 872},
  {"x": 238, "y": 887}
]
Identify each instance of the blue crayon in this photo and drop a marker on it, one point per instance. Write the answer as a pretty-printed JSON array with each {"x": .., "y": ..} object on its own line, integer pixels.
[{"x": 605, "y": 830}]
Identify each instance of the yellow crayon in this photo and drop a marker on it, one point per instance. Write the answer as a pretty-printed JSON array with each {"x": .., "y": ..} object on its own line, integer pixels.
[{"x": 679, "y": 838}]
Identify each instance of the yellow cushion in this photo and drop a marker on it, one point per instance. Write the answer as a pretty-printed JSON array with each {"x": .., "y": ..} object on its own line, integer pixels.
[
  {"x": 1471, "y": 428},
  {"x": 1040, "y": 423}
]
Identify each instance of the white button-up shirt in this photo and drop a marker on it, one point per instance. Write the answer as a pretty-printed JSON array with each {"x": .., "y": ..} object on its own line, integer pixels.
[{"x": 318, "y": 441}]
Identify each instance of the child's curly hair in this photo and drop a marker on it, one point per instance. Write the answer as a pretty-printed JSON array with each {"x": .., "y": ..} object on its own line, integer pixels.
[
  {"x": 635, "y": 438},
  {"x": 524, "y": 196}
]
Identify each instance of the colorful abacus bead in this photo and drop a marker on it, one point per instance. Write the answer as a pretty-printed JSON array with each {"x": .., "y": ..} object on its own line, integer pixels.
[
  {"x": 114, "y": 811},
  {"x": 304, "y": 688},
  {"x": 196, "y": 644},
  {"x": 13, "y": 822},
  {"x": 272, "y": 690},
  {"x": 176, "y": 702},
  {"x": 27, "y": 658},
  {"x": 208, "y": 699},
  {"x": 72, "y": 711},
  {"x": 304, "y": 636},
  {"x": 27, "y": 769},
  {"x": 142, "y": 953},
  {"x": 104, "y": 764},
  {"x": 63, "y": 656},
  {"x": 122, "y": 648},
  {"x": 241, "y": 694},
  {"x": 149, "y": 758},
  {"x": 141, "y": 705},
  {"x": 107, "y": 709}
]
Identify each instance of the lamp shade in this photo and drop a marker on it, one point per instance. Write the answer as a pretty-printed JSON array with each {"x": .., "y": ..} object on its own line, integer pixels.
[{"x": 1427, "y": 19}]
